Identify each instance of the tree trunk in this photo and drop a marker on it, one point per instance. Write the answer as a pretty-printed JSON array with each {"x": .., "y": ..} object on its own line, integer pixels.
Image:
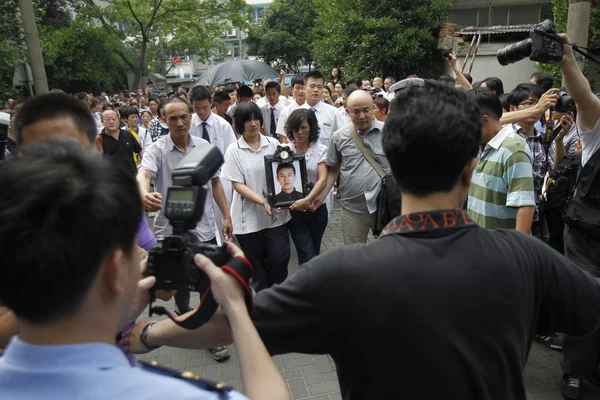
[{"x": 139, "y": 68}]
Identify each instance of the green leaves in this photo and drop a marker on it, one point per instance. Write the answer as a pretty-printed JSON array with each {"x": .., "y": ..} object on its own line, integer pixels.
[{"x": 285, "y": 33}]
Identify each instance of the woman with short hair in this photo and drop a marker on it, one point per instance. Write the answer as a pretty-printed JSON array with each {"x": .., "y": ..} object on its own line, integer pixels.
[
  {"x": 307, "y": 227},
  {"x": 261, "y": 232}
]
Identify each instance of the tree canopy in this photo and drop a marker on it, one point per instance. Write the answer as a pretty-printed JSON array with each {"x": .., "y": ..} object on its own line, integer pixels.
[
  {"x": 151, "y": 28},
  {"x": 285, "y": 34},
  {"x": 385, "y": 37}
]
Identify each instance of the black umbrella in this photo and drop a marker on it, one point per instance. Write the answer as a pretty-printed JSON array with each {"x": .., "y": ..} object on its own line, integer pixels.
[{"x": 236, "y": 71}]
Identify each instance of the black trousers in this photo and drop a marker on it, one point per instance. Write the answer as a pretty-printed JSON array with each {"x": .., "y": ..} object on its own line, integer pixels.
[
  {"x": 269, "y": 252},
  {"x": 556, "y": 228},
  {"x": 182, "y": 297},
  {"x": 581, "y": 355}
]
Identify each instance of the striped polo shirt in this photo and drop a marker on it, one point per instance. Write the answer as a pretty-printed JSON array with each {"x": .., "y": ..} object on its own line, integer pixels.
[{"x": 502, "y": 181}]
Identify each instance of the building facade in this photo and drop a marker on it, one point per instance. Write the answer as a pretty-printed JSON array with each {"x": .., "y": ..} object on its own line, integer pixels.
[{"x": 500, "y": 24}]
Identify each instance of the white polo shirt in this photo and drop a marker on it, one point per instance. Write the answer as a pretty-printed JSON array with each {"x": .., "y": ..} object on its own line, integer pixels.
[
  {"x": 220, "y": 132},
  {"x": 325, "y": 114},
  {"x": 285, "y": 114},
  {"x": 159, "y": 160},
  {"x": 245, "y": 165},
  {"x": 265, "y": 109}
]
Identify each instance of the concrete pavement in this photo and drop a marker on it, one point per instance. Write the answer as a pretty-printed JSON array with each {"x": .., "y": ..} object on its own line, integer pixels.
[{"x": 314, "y": 377}]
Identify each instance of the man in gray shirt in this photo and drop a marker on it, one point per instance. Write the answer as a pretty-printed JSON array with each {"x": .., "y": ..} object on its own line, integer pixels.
[{"x": 359, "y": 182}]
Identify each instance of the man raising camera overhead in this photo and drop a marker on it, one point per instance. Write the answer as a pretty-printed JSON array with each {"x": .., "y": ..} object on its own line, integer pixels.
[{"x": 582, "y": 220}]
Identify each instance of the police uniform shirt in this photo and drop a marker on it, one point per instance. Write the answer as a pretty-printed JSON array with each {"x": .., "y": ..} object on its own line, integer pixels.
[
  {"x": 265, "y": 110},
  {"x": 325, "y": 114},
  {"x": 452, "y": 306},
  {"x": 90, "y": 371}
]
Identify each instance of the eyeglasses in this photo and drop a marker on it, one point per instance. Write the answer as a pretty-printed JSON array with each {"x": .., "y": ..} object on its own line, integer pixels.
[{"x": 528, "y": 103}]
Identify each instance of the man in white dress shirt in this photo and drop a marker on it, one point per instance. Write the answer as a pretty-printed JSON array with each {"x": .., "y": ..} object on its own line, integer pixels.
[
  {"x": 299, "y": 99},
  {"x": 271, "y": 110},
  {"x": 209, "y": 126}
]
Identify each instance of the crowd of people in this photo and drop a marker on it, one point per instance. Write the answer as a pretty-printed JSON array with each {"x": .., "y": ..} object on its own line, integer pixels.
[{"x": 496, "y": 242}]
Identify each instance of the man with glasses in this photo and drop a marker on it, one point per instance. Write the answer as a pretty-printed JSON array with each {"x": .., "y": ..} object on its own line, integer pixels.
[{"x": 525, "y": 96}]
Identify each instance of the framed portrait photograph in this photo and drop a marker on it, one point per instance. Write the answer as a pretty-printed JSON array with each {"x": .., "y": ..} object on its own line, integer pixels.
[{"x": 286, "y": 177}]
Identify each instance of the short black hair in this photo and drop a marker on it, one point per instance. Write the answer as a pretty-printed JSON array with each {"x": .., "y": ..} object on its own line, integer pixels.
[
  {"x": 298, "y": 79},
  {"x": 544, "y": 79},
  {"x": 315, "y": 74},
  {"x": 348, "y": 91},
  {"x": 245, "y": 91},
  {"x": 55, "y": 105},
  {"x": 153, "y": 99},
  {"x": 284, "y": 166},
  {"x": 382, "y": 103},
  {"x": 243, "y": 113},
  {"x": 447, "y": 79},
  {"x": 273, "y": 85},
  {"x": 468, "y": 77},
  {"x": 63, "y": 210},
  {"x": 82, "y": 96},
  {"x": 200, "y": 93},
  {"x": 504, "y": 101},
  {"x": 357, "y": 80},
  {"x": 177, "y": 99},
  {"x": 221, "y": 96},
  {"x": 296, "y": 118},
  {"x": 524, "y": 91},
  {"x": 427, "y": 155},
  {"x": 488, "y": 103},
  {"x": 130, "y": 110},
  {"x": 494, "y": 84}
]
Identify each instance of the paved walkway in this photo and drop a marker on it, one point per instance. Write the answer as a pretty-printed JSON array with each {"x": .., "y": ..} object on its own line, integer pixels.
[{"x": 314, "y": 377}]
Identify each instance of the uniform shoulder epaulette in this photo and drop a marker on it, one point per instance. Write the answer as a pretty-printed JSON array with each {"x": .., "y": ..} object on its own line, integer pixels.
[{"x": 188, "y": 376}]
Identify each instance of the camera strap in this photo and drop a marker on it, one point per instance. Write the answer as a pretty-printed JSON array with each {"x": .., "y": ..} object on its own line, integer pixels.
[
  {"x": 586, "y": 55},
  {"x": 241, "y": 269}
]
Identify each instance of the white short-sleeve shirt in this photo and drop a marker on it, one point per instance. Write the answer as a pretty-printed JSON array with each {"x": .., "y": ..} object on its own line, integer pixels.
[
  {"x": 219, "y": 130},
  {"x": 325, "y": 114},
  {"x": 316, "y": 154},
  {"x": 285, "y": 114},
  {"x": 245, "y": 165},
  {"x": 590, "y": 142},
  {"x": 265, "y": 109},
  {"x": 159, "y": 160}
]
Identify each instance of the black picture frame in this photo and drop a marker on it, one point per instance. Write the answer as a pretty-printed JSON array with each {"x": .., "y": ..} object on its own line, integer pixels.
[{"x": 284, "y": 156}]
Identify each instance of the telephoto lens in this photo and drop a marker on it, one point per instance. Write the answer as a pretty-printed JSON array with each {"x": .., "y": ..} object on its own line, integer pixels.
[{"x": 514, "y": 52}]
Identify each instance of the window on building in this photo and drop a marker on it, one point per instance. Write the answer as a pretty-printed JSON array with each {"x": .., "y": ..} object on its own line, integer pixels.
[
  {"x": 258, "y": 12},
  {"x": 527, "y": 14},
  {"x": 546, "y": 12},
  {"x": 464, "y": 17},
  {"x": 499, "y": 16},
  {"x": 236, "y": 52}
]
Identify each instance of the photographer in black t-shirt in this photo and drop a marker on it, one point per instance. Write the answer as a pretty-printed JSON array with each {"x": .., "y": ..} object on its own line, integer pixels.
[{"x": 456, "y": 305}]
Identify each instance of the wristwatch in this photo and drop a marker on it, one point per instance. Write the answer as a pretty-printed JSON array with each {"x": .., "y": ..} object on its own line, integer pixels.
[{"x": 144, "y": 336}]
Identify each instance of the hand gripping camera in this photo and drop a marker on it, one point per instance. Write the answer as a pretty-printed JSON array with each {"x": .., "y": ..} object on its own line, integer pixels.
[{"x": 172, "y": 261}]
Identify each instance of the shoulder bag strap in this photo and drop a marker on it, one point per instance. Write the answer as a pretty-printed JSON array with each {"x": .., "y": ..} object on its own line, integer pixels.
[{"x": 363, "y": 149}]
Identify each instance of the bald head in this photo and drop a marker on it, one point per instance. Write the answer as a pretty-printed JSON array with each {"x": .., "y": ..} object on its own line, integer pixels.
[
  {"x": 359, "y": 97},
  {"x": 360, "y": 109}
]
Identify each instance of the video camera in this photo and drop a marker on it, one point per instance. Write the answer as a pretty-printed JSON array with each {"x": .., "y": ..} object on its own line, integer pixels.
[
  {"x": 172, "y": 261},
  {"x": 543, "y": 45}
]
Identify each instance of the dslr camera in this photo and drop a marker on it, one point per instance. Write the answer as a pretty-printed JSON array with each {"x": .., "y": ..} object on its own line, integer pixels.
[
  {"x": 565, "y": 103},
  {"x": 172, "y": 261},
  {"x": 543, "y": 45}
]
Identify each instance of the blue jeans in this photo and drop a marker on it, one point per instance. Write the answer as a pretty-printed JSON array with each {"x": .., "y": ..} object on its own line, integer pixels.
[{"x": 307, "y": 229}]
